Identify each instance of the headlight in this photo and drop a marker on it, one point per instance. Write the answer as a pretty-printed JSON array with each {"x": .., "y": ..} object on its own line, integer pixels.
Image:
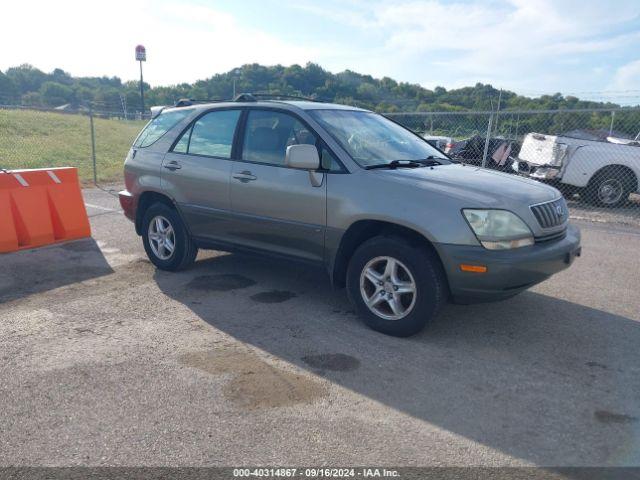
[
  {"x": 499, "y": 229},
  {"x": 547, "y": 173}
]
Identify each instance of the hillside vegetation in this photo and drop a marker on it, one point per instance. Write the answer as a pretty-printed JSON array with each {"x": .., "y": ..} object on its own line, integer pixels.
[
  {"x": 27, "y": 85},
  {"x": 34, "y": 139}
]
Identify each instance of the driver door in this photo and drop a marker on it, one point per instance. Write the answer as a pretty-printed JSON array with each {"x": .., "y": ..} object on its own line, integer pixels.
[{"x": 274, "y": 207}]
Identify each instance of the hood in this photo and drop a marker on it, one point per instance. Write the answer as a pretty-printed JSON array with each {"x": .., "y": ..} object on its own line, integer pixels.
[{"x": 474, "y": 185}]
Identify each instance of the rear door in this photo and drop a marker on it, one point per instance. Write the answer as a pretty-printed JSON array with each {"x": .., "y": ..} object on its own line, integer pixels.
[
  {"x": 275, "y": 207},
  {"x": 196, "y": 173}
]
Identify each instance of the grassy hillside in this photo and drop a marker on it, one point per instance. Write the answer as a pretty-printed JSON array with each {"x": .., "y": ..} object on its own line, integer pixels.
[{"x": 33, "y": 139}]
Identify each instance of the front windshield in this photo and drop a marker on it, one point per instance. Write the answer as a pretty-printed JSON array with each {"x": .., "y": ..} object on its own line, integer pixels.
[{"x": 372, "y": 139}]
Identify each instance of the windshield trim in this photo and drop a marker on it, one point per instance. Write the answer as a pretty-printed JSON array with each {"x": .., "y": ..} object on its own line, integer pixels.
[{"x": 367, "y": 112}]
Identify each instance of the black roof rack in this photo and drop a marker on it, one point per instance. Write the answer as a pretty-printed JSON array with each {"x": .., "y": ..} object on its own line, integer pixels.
[
  {"x": 245, "y": 97},
  {"x": 254, "y": 97},
  {"x": 186, "y": 102},
  {"x": 285, "y": 96}
]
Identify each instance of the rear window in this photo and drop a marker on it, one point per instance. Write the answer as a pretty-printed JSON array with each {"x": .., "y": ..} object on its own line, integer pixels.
[{"x": 160, "y": 125}]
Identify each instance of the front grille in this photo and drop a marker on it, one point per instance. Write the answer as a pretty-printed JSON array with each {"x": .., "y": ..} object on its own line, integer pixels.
[
  {"x": 554, "y": 236},
  {"x": 551, "y": 214}
]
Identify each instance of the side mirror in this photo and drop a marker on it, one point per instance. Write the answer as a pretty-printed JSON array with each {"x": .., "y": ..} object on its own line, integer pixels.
[{"x": 304, "y": 157}]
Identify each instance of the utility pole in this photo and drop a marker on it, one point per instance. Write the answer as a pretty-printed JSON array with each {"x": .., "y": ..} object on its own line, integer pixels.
[{"x": 141, "y": 56}]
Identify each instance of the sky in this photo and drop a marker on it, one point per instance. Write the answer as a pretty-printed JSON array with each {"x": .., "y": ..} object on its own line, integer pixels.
[{"x": 588, "y": 48}]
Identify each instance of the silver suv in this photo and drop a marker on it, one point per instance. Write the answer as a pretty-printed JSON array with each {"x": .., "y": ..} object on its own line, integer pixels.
[{"x": 402, "y": 226}]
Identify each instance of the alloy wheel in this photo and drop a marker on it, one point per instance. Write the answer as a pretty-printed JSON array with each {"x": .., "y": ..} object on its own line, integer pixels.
[
  {"x": 388, "y": 288},
  {"x": 610, "y": 191},
  {"x": 162, "y": 238}
]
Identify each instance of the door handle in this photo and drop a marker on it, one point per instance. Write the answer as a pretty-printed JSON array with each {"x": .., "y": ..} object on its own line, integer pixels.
[
  {"x": 173, "y": 165},
  {"x": 245, "y": 176}
]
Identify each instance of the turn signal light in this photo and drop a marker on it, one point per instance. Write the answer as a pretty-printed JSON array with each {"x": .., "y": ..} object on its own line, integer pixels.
[{"x": 473, "y": 268}]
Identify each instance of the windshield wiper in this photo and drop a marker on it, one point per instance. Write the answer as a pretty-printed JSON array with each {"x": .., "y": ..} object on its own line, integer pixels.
[
  {"x": 432, "y": 160},
  {"x": 397, "y": 163}
]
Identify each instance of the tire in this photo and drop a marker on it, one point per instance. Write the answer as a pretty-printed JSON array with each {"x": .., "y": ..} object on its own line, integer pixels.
[
  {"x": 610, "y": 187},
  {"x": 184, "y": 249},
  {"x": 422, "y": 267}
]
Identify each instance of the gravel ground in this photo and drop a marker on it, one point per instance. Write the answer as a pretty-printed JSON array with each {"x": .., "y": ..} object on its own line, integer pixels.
[
  {"x": 626, "y": 215},
  {"x": 240, "y": 360}
]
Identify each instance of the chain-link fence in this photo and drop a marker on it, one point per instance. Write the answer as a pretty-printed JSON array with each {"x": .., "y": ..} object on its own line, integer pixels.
[
  {"x": 592, "y": 156},
  {"x": 96, "y": 142}
]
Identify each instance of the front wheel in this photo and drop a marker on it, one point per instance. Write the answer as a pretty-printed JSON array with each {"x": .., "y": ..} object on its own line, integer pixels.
[
  {"x": 609, "y": 188},
  {"x": 166, "y": 240},
  {"x": 396, "y": 287}
]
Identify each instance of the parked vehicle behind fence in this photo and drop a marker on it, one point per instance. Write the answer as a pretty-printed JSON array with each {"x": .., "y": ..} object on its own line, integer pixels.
[
  {"x": 441, "y": 143},
  {"x": 472, "y": 151},
  {"x": 603, "y": 172},
  {"x": 387, "y": 215}
]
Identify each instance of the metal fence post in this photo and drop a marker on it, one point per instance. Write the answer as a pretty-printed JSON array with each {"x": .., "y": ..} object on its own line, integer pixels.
[
  {"x": 613, "y": 116},
  {"x": 486, "y": 142},
  {"x": 93, "y": 146}
]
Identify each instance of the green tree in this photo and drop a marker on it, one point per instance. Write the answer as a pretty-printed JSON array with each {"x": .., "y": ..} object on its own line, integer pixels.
[
  {"x": 31, "y": 99},
  {"x": 26, "y": 78},
  {"x": 8, "y": 90},
  {"x": 54, "y": 94}
]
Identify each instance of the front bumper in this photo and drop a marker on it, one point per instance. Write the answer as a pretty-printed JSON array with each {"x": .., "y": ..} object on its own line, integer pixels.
[{"x": 509, "y": 272}]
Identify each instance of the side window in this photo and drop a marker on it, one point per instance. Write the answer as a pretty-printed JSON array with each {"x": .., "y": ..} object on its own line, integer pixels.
[
  {"x": 268, "y": 134},
  {"x": 328, "y": 162},
  {"x": 160, "y": 125},
  {"x": 211, "y": 134},
  {"x": 183, "y": 143}
]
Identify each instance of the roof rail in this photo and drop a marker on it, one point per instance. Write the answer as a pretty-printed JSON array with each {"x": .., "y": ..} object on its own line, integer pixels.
[
  {"x": 245, "y": 97},
  {"x": 254, "y": 97},
  {"x": 186, "y": 102},
  {"x": 284, "y": 96}
]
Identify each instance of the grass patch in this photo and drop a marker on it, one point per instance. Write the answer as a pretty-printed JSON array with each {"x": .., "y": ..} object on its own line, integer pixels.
[{"x": 34, "y": 139}]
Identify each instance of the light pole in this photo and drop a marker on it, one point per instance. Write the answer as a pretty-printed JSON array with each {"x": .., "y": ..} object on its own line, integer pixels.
[{"x": 141, "y": 56}]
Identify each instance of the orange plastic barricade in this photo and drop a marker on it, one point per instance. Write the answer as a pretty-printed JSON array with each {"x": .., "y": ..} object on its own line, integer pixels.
[{"x": 39, "y": 207}]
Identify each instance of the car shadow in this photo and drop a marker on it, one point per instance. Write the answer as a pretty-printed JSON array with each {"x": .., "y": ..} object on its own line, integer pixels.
[
  {"x": 537, "y": 377},
  {"x": 32, "y": 271}
]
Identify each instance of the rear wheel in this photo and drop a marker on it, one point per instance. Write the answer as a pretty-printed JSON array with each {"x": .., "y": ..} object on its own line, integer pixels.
[
  {"x": 166, "y": 239},
  {"x": 396, "y": 287},
  {"x": 610, "y": 187}
]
